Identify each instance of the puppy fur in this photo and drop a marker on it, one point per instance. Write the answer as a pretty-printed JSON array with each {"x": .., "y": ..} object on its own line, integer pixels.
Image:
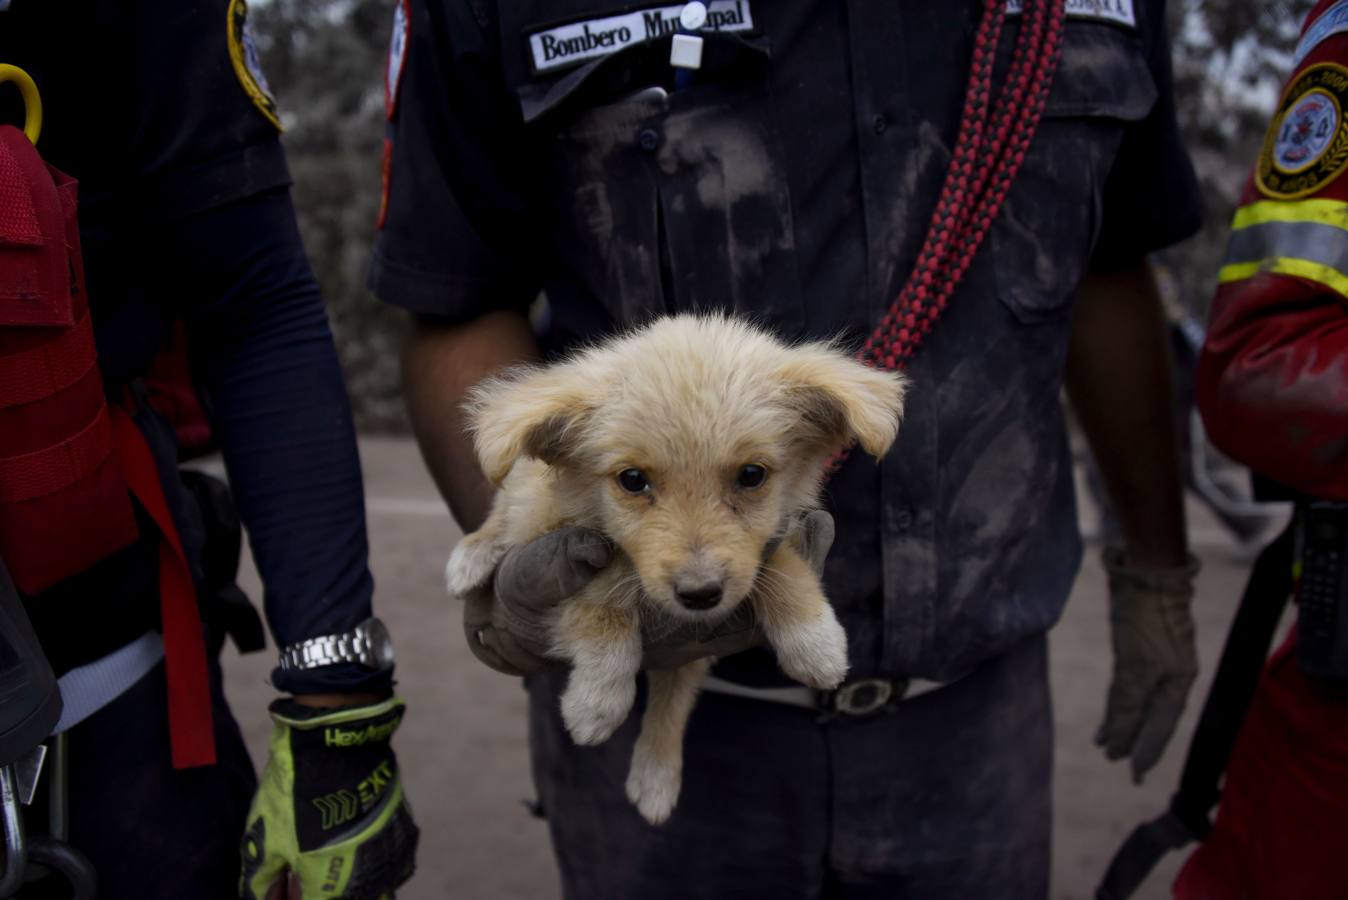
[{"x": 688, "y": 402}]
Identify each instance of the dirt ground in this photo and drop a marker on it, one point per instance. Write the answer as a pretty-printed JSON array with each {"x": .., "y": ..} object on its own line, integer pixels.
[{"x": 463, "y": 748}]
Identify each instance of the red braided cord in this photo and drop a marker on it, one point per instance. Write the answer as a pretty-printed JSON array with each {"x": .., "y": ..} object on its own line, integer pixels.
[
  {"x": 934, "y": 276},
  {"x": 981, "y": 173},
  {"x": 960, "y": 178},
  {"x": 977, "y": 223},
  {"x": 1042, "y": 64}
]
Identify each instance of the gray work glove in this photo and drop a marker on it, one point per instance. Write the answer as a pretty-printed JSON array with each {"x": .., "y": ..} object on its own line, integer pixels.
[
  {"x": 506, "y": 622},
  {"x": 1155, "y": 660}
]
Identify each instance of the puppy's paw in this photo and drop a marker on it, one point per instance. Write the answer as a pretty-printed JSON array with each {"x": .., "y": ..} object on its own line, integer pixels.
[
  {"x": 593, "y": 708},
  {"x": 815, "y": 653},
  {"x": 653, "y": 786},
  {"x": 471, "y": 563}
]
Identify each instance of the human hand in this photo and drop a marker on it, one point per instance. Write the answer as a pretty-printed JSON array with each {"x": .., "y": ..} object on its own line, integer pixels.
[
  {"x": 1155, "y": 659},
  {"x": 506, "y": 622},
  {"x": 329, "y": 818}
]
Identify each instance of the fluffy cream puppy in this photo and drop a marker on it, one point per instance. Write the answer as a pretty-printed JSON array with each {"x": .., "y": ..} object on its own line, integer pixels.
[{"x": 695, "y": 443}]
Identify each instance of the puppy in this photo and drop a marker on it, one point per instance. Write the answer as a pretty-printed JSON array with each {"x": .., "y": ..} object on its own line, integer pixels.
[{"x": 695, "y": 443}]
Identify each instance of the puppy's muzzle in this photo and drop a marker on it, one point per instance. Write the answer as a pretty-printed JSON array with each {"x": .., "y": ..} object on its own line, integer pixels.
[{"x": 699, "y": 596}]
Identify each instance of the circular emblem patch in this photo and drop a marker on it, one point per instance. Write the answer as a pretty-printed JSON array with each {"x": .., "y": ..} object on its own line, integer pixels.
[
  {"x": 247, "y": 65},
  {"x": 1307, "y": 143}
]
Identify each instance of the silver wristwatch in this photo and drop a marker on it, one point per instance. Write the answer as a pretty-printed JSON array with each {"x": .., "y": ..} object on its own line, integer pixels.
[{"x": 368, "y": 644}]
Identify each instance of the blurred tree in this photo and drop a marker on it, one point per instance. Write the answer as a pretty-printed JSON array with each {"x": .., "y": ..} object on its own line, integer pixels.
[
  {"x": 1231, "y": 58},
  {"x": 325, "y": 59}
]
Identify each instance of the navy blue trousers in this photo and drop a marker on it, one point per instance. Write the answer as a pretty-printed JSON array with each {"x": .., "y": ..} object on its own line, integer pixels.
[
  {"x": 946, "y": 797},
  {"x": 151, "y": 832}
]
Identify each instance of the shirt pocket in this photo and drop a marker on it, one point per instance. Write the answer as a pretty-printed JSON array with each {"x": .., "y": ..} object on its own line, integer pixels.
[
  {"x": 665, "y": 201},
  {"x": 1047, "y": 228}
]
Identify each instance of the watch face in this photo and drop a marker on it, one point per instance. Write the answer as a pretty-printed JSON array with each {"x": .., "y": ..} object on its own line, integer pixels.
[{"x": 381, "y": 647}]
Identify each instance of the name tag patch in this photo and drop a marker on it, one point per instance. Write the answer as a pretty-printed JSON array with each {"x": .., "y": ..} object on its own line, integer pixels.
[
  {"x": 1331, "y": 22},
  {"x": 575, "y": 42},
  {"x": 1119, "y": 12}
]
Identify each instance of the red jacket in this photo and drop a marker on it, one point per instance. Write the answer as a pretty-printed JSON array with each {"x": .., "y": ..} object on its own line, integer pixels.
[{"x": 1273, "y": 377}]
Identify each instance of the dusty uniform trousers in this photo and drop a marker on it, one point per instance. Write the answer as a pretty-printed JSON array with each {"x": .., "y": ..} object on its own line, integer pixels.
[{"x": 945, "y": 796}]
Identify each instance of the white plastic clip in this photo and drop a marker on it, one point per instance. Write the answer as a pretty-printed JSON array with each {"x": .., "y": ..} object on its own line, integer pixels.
[{"x": 685, "y": 50}]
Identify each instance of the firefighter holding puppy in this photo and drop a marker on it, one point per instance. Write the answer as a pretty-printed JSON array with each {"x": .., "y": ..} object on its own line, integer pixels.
[
  {"x": 1002, "y": 169},
  {"x": 184, "y": 216}
]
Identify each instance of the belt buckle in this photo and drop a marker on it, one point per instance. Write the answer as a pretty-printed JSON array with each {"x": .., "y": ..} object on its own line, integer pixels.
[{"x": 867, "y": 696}]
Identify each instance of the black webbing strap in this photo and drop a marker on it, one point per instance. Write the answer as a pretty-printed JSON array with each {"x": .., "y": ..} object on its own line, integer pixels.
[{"x": 1233, "y": 687}]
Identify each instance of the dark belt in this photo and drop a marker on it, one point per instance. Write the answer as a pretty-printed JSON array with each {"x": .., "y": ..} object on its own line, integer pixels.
[{"x": 862, "y": 697}]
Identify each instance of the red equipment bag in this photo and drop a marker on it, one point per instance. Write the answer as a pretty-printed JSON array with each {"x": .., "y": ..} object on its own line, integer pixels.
[{"x": 63, "y": 502}]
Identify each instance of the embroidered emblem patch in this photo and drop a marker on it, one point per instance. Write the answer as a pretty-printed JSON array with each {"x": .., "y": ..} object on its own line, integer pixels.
[
  {"x": 1307, "y": 144},
  {"x": 575, "y": 42},
  {"x": 1329, "y": 23},
  {"x": 1119, "y": 12},
  {"x": 397, "y": 55},
  {"x": 247, "y": 65}
]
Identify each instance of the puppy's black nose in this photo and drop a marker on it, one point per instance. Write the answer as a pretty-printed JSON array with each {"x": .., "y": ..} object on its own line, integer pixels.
[{"x": 699, "y": 596}]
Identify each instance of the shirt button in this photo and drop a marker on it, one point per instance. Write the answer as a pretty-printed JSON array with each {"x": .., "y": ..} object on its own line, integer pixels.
[
  {"x": 693, "y": 16},
  {"x": 648, "y": 139},
  {"x": 879, "y": 123}
]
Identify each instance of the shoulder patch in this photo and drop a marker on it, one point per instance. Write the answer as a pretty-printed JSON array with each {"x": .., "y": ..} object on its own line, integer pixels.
[
  {"x": 247, "y": 65},
  {"x": 1329, "y": 23},
  {"x": 397, "y": 55},
  {"x": 1307, "y": 143},
  {"x": 1117, "y": 12}
]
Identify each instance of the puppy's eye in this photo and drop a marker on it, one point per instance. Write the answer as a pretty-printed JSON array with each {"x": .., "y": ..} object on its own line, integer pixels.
[
  {"x": 633, "y": 481},
  {"x": 751, "y": 476}
]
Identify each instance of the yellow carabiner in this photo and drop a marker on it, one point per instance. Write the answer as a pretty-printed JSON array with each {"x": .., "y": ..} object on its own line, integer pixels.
[{"x": 32, "y": 122}]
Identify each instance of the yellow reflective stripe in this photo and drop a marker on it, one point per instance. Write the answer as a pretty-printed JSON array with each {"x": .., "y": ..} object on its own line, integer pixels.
[
  {"x": 1284, "y": 265},
  {"x": 1318, "y": 210}
]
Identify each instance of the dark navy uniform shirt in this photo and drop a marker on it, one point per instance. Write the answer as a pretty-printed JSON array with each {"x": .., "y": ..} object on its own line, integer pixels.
[
  {"x": 542, "y": 146},
  {"x": 162, "y": 113}
]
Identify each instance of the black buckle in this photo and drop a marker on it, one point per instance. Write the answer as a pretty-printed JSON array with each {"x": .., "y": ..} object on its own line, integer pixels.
[{"x": 866, "y": 696}]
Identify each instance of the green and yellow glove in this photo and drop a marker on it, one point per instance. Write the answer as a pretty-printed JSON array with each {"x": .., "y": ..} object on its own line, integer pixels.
[{"x": 329, "y": 819}]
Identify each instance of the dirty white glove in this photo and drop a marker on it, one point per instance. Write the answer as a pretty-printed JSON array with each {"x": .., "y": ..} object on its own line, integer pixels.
[{"x": 1155, "y": 659}]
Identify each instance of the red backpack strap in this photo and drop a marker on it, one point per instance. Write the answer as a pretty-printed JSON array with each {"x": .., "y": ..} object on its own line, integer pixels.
[{"x": 191, "y": 728}]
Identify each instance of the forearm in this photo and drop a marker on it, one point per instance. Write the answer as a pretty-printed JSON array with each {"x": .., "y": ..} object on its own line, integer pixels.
[
  {"x": 1119, "y": 382},
  {"x": 441, "y": 363},
  {"x": 264, "y": 353}
]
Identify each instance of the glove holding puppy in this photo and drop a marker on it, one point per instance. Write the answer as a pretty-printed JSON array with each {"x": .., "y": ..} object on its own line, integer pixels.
[{"x": 506, "y": 622}]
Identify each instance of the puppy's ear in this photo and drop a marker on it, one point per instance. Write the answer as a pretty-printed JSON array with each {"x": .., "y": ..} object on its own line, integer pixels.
[
  {"x": 839, "y": 398},
  {"x": 527, "y": 412}
]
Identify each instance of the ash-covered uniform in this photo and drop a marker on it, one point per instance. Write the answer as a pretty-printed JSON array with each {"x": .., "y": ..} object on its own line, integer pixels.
[
  {"x": 544, "y": 146},
  {"x": 161, "y": 113}
]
